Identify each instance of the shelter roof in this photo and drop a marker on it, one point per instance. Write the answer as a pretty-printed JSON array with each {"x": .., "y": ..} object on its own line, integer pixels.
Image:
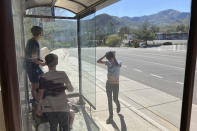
[{"x": 78, "y": 7}]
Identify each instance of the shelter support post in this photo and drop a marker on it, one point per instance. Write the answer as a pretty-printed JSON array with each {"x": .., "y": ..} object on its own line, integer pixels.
[
  {"x": 189, "y": 72},
  {"x": 81, "y": 101}
]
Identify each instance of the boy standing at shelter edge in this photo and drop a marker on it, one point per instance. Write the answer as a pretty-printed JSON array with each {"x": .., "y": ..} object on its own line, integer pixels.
[
  {"x": 32, "y": 56},
  {"x": 112, "y": 84}
]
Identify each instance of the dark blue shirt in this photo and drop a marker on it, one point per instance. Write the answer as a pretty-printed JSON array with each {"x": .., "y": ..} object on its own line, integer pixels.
[{"x": 32, "y": 49}]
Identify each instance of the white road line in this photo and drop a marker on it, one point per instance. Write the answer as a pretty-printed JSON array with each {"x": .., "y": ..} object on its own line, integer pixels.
[
  {"x": 135, "y": 69},
  {"x": 156, "y": 76},
  {"x": 179, "y": 83}
]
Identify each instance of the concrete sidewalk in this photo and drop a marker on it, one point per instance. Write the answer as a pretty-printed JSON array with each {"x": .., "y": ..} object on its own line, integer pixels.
[
  {"x": 126, "y": 120},
  {"x": 143, "y": 108}
]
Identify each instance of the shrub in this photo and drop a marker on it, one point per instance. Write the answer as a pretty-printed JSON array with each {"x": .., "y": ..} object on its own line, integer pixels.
[
  {"x": 136, "y": 43},
  {"x": 113, "y": 40}
]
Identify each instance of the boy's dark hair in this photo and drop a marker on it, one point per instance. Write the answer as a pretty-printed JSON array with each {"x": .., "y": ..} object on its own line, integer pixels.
[
  {"x": 51, "y": 60},
  {"x": 36, "y": 30},
  {"x": 109, "y": 55}
]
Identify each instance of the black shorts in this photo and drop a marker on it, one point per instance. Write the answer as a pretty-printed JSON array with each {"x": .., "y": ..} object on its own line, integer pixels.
[
  {"x": 61, "y": 118},
  {"x": 34, "y": 72}
]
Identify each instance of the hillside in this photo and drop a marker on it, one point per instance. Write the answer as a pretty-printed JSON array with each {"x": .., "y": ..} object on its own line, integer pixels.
[
  {"x": 111, "y": 24},
  {"x": 161, "y": 19}
]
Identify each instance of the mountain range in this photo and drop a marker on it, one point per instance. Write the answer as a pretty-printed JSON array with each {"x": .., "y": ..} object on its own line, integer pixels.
[
  {"x": 106, "y": 22},
  {"x": 160, "y": 19}
]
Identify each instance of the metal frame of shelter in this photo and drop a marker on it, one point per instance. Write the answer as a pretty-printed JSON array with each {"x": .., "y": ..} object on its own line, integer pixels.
[
  {"x": 8, "y": 66},
  {"x": 88, "y": 10}
]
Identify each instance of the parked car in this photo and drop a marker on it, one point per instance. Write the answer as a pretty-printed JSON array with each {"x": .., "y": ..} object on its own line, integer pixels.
[{"x": 143, "y": 44}]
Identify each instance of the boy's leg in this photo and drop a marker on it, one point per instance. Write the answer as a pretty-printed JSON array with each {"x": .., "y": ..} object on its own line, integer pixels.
[
  {"x": 33, "y": 89},
  {"x": 115, "y": 96},
  {"x": 71, "y": 118},
  {"x": 35, "y": 77},
  {"x": 53, "y": 121},
  {"x": 63, "y": 118},
  {"x": 109, "y": 97}
]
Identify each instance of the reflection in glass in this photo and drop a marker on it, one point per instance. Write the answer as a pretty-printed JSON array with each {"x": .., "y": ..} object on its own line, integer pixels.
[
  {"x": 59, "y": 37},
  {"x": 19, "y": 45},
  {"x": 88, "y": 58}
]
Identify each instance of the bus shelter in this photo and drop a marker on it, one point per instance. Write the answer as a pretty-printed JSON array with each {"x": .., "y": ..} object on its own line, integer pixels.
[
  {"x": 81, "y": 37},
  {"x": 13, "y": 77},
  {"x": 84, "y": 25}
]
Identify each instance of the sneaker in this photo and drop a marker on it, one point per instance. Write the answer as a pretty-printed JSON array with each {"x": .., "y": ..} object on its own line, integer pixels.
[
  {"x": 109, "y": 120},
  {"x": 118, "y": 109}
]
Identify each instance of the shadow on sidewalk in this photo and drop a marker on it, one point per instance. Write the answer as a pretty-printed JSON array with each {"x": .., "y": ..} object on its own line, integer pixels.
[
  {"x": 122, "y": 122},
  {"x": 91, "y": 125},
  {"x": 115, "y": 126}
]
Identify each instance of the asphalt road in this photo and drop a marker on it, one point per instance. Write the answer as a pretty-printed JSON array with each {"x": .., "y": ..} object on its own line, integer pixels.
[{"x": 160, "y": 68}]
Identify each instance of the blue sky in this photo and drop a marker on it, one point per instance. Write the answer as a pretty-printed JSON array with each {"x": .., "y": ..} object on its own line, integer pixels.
[{"x": 144, "y": 7}]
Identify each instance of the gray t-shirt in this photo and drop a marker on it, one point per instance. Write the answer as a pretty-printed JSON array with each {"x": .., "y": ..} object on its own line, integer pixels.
[
  {"x": 54, "y": 85},
  {"x": 113, "y": 70}
]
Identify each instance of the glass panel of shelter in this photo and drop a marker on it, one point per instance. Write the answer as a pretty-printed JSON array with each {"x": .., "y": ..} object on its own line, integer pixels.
[
  {"x": 59, "y": 37},
  {"x": 152, "y": 73},
  {"x": 20, "y": 47},
  {"x": 88, "y": 57}
]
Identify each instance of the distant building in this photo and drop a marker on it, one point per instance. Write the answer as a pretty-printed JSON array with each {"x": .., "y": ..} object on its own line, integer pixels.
[
  {"x": 172, "y": 36},
  {"x": 128, "y": 38}
]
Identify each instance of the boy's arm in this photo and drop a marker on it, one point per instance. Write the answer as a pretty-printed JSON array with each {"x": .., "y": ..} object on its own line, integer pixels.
[
  {"x": 70, "y": 87},
  {"x": 42, "y": 63},
  {"x": 68, "y": 84},
  {"x": 39, "y": 62},
  {"x": 101, "y": 60},
  {"x": 116, "y": 63}
]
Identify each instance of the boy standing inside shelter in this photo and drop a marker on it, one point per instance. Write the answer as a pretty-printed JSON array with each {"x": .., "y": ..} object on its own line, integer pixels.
[
  {"x": 52, "y": 96},
  {"x": 112, "y": 84},
  {"x": 32, "y": 58}
]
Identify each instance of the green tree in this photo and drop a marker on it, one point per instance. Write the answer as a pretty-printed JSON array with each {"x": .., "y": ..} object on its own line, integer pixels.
[
  {"x": 123, "y": 31},
  {"x": 154, "y": 29},
  {"x": 181, "y": 28},
  {"x": 136, "y": 43},
  {"x": 27, "y": 27},
  {"x": 144, "y": 33},
  {"x": 113, "y": 40}
]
